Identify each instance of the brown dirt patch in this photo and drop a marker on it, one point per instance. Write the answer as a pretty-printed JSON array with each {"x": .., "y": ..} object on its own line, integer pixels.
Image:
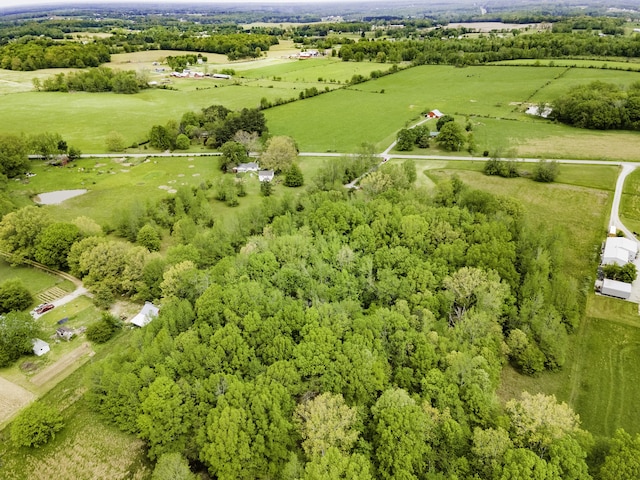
[
  {"x": 12, "y": 398},
  {"x": 65, "y": 365}
]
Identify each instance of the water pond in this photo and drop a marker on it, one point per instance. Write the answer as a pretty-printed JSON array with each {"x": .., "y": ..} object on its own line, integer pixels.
[{"x": 57, "y": 197}]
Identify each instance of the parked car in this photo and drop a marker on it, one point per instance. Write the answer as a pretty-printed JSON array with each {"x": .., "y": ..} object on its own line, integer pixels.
[{"x": 45, "y": 307}]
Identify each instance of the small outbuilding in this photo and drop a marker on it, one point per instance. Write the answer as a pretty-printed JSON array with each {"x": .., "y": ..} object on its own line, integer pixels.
[
  {"x": 266, "y": 175},
  {"x": 614, "y": 288},
  {"x": 65, "y": 333},
  {"x": 146, "y": 315},
  {"x": 40, "y": 347}
]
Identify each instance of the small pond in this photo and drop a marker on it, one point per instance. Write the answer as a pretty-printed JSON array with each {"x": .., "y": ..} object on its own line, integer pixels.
[{"x": 59, "y": 196}]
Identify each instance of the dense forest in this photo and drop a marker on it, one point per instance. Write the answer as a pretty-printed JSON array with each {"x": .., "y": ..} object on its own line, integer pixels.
[{"x": 355, "y": 337}]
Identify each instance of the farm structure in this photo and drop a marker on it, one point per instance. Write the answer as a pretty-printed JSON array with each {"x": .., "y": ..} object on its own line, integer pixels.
[
  {"x": 434, "y": 114},
  {"x": 65, "y": 333},
  {"x": 266, "y": 175},
  {"x": 619, "y": 251},
  {"x": 147, "y": 314},
  {"x": 614, "y": 288},
  {"x": 246, "y": 167},
  {"x": 40, "y": 347}
]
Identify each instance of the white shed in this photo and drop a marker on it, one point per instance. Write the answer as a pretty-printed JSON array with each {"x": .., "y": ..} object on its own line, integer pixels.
[
  {"x": 148, "y": 313},
  {"x": 614, "y": 288},
  {"x": 40, "y": 347},
  {"x": 619, "y": 251}
]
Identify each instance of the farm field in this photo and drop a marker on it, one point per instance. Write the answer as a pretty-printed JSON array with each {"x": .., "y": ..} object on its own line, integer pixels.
[
  {"x": 579, "y": 214},
  {"x": 35, "y": 280},
  {"x": 492, "y": 97}
]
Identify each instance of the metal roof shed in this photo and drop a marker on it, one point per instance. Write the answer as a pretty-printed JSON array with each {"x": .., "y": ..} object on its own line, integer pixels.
[{"x": 614, "y": 288}]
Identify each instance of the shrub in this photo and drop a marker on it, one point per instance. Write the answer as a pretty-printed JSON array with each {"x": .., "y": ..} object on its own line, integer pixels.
[
  {"x": 36, "y": 425},
  {"x": 14, "y": 296},
  {"x": 546, "y": 171}
]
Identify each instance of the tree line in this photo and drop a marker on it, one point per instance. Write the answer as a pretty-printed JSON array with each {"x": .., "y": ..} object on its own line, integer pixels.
[
  {"x": 99, "y": 79},
  {"x": 600, "y": 106},
  {"x": 492, "y": 48},
  {"x": 29, "y": 53}
]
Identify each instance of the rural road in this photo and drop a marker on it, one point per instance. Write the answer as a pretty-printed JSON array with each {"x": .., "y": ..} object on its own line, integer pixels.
[{"x": 627, "y": 168}]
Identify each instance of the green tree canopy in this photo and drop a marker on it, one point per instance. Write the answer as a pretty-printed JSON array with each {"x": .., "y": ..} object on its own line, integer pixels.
[
  {"x": 36, "y": 425},
  {"x": 13, "y": 155},
  {"x": 14, "y": 296}
]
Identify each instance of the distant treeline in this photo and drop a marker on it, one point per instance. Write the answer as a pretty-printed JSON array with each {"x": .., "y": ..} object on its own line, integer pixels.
[
  {"x": 234, "y": 45},
  {"x": 33, "y": 54},
  {"x": 476, "y": 51},
  {"x": 99, "y": 79}
]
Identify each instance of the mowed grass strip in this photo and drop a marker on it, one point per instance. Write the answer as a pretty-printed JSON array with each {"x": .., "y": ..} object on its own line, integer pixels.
[
  {"x": 630, "y": 204},
  {"x": 607, "y": 386}
]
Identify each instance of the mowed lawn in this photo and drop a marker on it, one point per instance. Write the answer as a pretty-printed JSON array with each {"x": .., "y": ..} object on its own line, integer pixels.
[{"x": 630, "y": 204}]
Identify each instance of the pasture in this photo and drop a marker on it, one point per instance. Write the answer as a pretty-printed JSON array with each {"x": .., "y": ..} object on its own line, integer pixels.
[
  {"x": 493, "y": 98},
  {"x": 601, "y": 378},
  {"x": 578, "y": 214}
]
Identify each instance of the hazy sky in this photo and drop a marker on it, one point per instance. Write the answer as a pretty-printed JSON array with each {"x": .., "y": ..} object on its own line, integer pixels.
[{"x": 13, "y": 3}]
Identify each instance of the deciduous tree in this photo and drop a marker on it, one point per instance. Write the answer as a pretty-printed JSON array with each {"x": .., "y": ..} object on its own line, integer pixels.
[{"x": 36, "y": 425}]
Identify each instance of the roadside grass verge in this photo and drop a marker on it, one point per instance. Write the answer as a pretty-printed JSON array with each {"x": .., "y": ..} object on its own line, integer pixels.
[{"x": 630, "y": 203}]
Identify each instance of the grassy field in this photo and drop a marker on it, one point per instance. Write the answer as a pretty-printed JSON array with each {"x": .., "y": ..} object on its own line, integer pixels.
[
  {"x": 579, "y": 213},
  {"x": 601, "y": 379},
  {"x": 492, "y": 97},
  {"x": 35, "y": 280},
  {"x": 631, "y": 64},
  {"x": 86, "y": 448},
  {"x": 630, "y": 203}
]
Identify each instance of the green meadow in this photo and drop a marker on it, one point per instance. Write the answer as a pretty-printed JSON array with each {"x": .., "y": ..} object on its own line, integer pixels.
[
  {"x": 493, "y": 98},
  {"x": 630, "y": 203}
]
